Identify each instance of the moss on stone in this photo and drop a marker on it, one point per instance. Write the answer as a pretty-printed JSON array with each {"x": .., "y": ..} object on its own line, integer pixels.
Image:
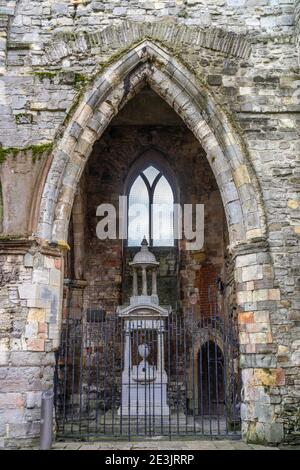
[
  {"x": 73, "y": 107},
  {"x": 42, "y": 75},
  {"x": 22, "y": 117},
  {"x": 252, "y": 436},
  {"x": 18, "y": 45},
  {"x": 4, "y": 152},
  {"x": 7, "y": 237},
  {"x": 36, "y": 151},
  {"x": 80, "y": 79}
]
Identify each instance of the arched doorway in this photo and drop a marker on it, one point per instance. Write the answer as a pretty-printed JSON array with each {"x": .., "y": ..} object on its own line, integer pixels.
[
  {"x": 211, "y": 379},
  {"x": 233, "y": 175}
]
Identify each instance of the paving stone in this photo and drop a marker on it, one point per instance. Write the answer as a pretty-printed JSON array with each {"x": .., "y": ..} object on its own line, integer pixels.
[{"x": 171, "y": 445}]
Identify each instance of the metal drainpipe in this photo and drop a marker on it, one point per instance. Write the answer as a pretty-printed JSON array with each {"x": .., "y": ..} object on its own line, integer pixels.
[{"x": 46, "y": 421}]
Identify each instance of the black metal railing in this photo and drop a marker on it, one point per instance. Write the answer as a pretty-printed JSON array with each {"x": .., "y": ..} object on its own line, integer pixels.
[{"x": 177, "y": 377}]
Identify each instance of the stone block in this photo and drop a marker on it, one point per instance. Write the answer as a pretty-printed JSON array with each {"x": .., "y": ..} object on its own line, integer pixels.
[
  {"x": 37, "y": 303},
  {"x": 11, "y": 400},
  {"x": 36, "y": 315},
  {"x": 260, "y": 295},
  {"x": 234, "y": 213},
  {"x": 214, "y": 80},
  {"x": 260, "y": 338},
  {"x": 263, "y": 413},
  {"x": 295, "y": 358},
  {"x": 57, "y": 263},
  {"x": 60, "y": 9},
  {"x": 25, "y": 359},
  {"x": 241, "y": 176},
  {"x": 28, "y": 260},
  {"x": 280, "y": 377},
  {"x": 28, "y": 291},
  {"x": 274, "y": 294},
  {"x": 256, "y": 3},
  {"x": 283, "y": 350},
  {"x": 31, "y": 330},
  {"x": 48, "y": 262},
  {"x": 261, "y": 316},
  {"x": 4, "y": 358},
  {"x": 53, "y": 331},
  {"x": 275, "y": 433},
  {"x": 33, "y": 399},
  {"x": 244, "y": 297},
  {"x": 244, "y": 338},
  {"x": 244, "y": 412},
  {"x": 38, "y": 261},
  {"x": 245, "y": 317},
  {"x": 119, "y": 11},
  {"x": 254, "y": 233},
  {"x": 46, "y": 293},
  {"x": 42, "y": 330},
  {"x": 55, "y": 277},
  {"x": 36, "y": 344},
  {"x": 250, "y": 273},
  {"x": 265, "y": 377},
  {"x": 258, "y": 360},
  {"x": 40, "y": 276},
  {"x": 293, "y": 204},
  {"x": 246, "y": 260}
]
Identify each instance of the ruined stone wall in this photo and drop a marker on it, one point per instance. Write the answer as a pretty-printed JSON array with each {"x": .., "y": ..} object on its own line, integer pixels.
[
  {"x": 29, "y": 293},
  {"x": 58, "y": 65},
  {"x": 244, "y": 52}
]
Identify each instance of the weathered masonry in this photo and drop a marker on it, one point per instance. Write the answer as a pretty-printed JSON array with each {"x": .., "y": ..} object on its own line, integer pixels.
[{"x": 94, "y": 96}]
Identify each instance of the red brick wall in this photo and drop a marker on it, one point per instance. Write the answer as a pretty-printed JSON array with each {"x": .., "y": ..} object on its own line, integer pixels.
[{"x": 206, "y": 283}]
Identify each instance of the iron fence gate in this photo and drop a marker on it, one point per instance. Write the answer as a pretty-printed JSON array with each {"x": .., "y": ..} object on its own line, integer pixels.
[{"x": 178, "y": 378}]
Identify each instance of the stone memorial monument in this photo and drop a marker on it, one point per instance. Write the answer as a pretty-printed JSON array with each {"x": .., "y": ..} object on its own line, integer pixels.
[{"x": 144, "y": 385}]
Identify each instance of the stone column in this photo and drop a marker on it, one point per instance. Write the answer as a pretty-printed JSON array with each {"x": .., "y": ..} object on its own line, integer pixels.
[
  {"x": 144, "y": 280},
  {"x": 135, "y": 283},
  {"x": 154, "y": 282},
  {"x": 127, "y": 351},
  {"x": 160, "y": 349},
  {"x": 78, "y": 234}
]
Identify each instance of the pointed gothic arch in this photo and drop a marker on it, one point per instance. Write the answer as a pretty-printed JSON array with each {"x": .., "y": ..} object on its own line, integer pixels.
[
  {"x": 152, "y": 157},
  {"x": 148, "y": 63}
]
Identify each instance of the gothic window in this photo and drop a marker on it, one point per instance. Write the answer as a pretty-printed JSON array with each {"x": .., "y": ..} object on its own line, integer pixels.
[{"x": 150, "y": 209}]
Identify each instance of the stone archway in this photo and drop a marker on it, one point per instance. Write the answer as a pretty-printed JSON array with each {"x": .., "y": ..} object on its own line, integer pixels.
[
  {"x": 149, "y": 63},
  {"x": 256, "y": 297}
]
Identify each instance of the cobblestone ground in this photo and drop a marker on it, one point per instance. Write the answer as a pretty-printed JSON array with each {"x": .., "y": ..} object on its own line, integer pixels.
[{"x": 166, "y": 445}]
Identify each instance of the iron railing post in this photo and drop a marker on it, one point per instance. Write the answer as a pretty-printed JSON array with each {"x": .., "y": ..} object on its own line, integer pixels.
[{"x": 46, "y": 420}]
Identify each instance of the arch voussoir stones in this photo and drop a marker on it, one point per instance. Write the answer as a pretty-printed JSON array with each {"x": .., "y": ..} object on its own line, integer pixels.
[
  {"x": 114, "y": 37},
  {"x": 174, "y": 83}
]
